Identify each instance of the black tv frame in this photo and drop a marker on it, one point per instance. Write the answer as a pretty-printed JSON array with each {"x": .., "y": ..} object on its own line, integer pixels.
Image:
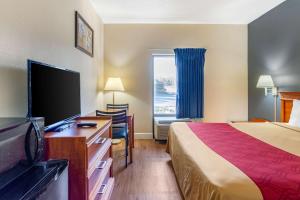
[{"x": 56, "y": 126}]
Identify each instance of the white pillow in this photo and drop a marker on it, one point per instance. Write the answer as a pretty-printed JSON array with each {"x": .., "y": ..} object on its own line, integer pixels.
[{"x": 295, "y": 114}]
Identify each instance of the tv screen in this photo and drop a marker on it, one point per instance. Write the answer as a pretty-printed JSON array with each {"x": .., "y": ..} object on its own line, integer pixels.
[{"x": 53, "y": 93}]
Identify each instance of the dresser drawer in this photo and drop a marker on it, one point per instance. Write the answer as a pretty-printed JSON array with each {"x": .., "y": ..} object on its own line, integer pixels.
[
  {"x": 98, "y": 179},
  {"x": 98, "y": 156},
  {"x": 106, "y": 190},
  {"x": 97, "y": 143},
  {"x": 102, "y": 169}
]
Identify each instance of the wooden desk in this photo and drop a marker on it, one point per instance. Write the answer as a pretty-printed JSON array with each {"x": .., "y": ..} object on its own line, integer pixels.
[{"x": 130, "y": 119}]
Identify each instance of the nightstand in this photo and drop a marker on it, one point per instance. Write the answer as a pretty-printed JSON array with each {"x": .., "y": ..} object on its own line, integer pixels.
[{"x": 259, "y": 120}]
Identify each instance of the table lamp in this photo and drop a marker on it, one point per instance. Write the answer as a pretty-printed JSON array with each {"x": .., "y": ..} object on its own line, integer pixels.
[
  {"x": 114, "y": 84},
  {"x": 266, "y": 82}
]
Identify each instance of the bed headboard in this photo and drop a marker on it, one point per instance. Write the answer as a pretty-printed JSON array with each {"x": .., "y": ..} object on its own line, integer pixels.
[{"x": 286, "y": 101}]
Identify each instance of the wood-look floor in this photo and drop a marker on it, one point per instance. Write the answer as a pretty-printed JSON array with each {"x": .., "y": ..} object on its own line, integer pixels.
[{"x": 149, "y": 177}]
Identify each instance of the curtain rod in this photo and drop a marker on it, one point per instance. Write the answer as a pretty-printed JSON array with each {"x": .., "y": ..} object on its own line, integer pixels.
[
  {"x": 168, "y": 49},
  {"x": 161, "y": 49}
]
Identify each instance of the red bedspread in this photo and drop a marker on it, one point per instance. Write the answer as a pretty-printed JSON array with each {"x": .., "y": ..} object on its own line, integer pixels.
[{"x": 275, "y": 172}]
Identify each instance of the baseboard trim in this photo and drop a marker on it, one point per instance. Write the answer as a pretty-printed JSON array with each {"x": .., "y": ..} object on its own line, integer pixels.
[{"x": 143, "y": 136}]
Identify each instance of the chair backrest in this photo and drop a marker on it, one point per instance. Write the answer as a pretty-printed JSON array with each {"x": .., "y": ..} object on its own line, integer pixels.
[
  {"x": 118, "y": 117},
  {"x": 118, "y": 106}
]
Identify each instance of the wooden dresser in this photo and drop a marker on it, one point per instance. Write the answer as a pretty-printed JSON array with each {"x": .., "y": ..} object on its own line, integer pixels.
[{"x": 90, "y": 158}]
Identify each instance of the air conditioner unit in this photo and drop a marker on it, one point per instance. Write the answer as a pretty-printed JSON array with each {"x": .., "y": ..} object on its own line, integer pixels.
[{"x": 162, "y": 125}]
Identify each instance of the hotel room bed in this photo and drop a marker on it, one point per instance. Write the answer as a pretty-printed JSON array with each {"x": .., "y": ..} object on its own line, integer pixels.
[{"x": 212, "y": 169}]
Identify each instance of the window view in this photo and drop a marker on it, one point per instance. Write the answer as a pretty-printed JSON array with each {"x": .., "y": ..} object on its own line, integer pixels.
[{"x": 164, "y": 85}]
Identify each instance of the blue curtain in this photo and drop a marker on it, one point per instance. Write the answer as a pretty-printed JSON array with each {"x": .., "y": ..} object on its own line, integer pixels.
[{"x": 190, "y": 82}]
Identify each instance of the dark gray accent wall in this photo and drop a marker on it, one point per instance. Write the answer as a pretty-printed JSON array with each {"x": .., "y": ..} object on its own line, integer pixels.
[{"x": 274, "y": 48}]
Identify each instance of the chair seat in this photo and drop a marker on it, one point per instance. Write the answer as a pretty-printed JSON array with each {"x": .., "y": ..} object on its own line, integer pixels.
[{"x": 119, "y": 132}]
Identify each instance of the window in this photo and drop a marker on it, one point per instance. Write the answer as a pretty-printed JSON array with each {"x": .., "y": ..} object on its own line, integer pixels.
[{"x": 164, "y": 85}]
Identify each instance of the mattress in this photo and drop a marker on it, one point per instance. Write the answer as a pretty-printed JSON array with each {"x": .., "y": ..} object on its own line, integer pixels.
[{"x": 204, "y": 174}]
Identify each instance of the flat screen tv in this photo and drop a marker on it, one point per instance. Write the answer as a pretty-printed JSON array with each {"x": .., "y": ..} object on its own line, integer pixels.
[{"x": 53, "y": 93}]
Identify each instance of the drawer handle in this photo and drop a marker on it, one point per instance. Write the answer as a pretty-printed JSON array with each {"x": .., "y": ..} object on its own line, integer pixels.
[
  {"x": 101, "y": 140},
  {"x": 102, "y": 164},
  {"x": 102, "y": 189}
]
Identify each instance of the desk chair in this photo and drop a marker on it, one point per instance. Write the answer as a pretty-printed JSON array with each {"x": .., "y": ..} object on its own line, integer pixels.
[{"x": 120, "y": 126}]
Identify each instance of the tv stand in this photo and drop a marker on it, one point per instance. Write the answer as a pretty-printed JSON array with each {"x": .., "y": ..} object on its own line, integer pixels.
[{"x": 90, "y": 157}]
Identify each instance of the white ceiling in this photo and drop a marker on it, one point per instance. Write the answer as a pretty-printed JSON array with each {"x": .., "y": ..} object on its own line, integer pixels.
[{"x": 183, "y": 11}]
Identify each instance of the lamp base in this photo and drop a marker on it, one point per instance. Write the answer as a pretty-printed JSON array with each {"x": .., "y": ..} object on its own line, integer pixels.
[
  {"x": 275, "y": 108},
  {"x": 113, "y": 97}
]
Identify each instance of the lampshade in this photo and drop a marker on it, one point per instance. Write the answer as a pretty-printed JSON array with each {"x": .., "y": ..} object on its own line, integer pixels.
[
  {"x": 114, "y": 84},
  {"x": 265, "y": 81}
]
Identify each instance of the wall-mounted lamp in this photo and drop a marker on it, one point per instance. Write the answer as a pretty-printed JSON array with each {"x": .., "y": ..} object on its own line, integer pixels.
[{"x": 266, "y": 82}]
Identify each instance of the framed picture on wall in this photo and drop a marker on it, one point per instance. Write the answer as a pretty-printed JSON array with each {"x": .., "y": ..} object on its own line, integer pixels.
[{"x": 84, "y": 35}]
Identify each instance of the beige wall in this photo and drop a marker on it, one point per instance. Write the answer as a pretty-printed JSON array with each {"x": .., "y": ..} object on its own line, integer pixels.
[
  {"x": 44, "y": 31},
  {"x": 128, "y": 55}
]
